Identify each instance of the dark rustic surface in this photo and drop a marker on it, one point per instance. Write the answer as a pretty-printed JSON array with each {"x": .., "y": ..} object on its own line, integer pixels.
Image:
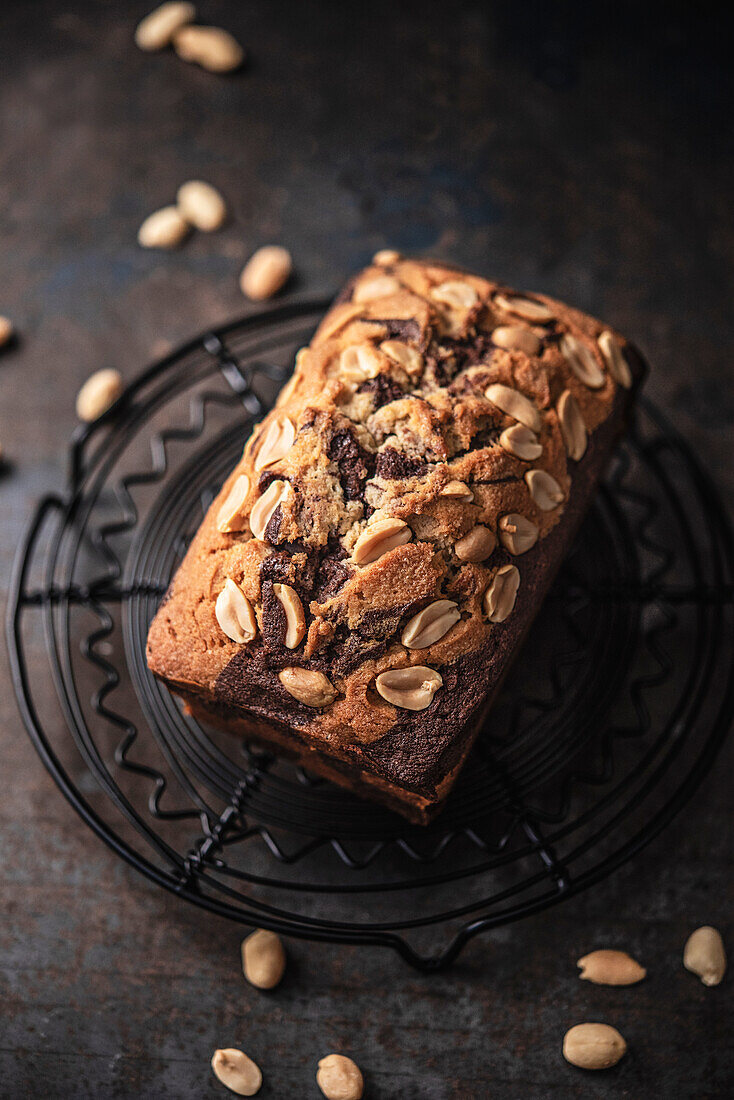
[{"x": 564, "y": 147}]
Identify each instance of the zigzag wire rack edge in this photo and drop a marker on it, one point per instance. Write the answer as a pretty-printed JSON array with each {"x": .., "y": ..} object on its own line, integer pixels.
[{"x": 722, "y": 589}]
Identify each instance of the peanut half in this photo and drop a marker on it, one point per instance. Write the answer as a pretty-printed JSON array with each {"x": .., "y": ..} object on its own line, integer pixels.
[
  {"x": 234, "y": 613},
  {"x": 705, "y": 956},
  {"x": 518, "y": 534},
  {"x": 201, "y": 205},
  {"x": 157, "y": 29},
  {"x": 263, "y": 959},
  {"x": 410, "y": 359},
  {"x": 97, "y": 394},
  {"x": 165, "y": 228},
  {"x": 456, "y": 294},
  {"x": 544, "y": 489},
  {"x": 382, "y": 286},
  {"x": 386, "y": 257},
  {"x": 380, "y": 537},
  {"x": 232, "y": 516},
  {"x": 582, "y": 362},
  {"x": 573, "y": 428},
  {"x": 516, "y": 338},
  {"x": 458, "y": 490},
  {"x": 359, "y": 362},
  {"x": 295, "y": 620},
  {"x": 515, "y": 404},
  {"x": 266, "y": 272},
  {"x": 277, "y": 493},
  {"x": 477, "y": 545},
  {"x": 593, "y": 1046},
  {"x": 6, "y": 331},
  {"x": 614, "y": 359},
  {"x": 499, "y": 599},
  {"x": 211, "y": 47},
  {"x": 526, "y": 308},
  {"x": 520, "y": 441},
  {"x": 308, "y": 687},
  {"x": 276, "y": 442},
  {"x": 339, "y": 1078},
  {"x": 430, "y": 624},
  {"x": 237, "y": 1072},
  {"x": 410, "y": 688},
  {"x": 607, "y": 967}
]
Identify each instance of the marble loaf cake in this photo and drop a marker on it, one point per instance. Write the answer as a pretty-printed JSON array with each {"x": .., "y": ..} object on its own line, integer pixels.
[{"x": 358, "y": 590}]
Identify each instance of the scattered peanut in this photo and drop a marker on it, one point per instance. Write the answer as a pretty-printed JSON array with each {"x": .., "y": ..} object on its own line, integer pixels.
[
  {"x": 266, "y": 272},
  {"x": 237, "y": 1072},
  {"x": 201, "y": 205},
  {"x": 166, "y": 228},
  {"x": 705, "y": 956},
  {"x": 339, "y": 1078},
  {"x": 593, "y": 1046},
  {"x": 97, "y": 394},
  {"x": 263, "y": 959},
  {"x": 610, "y": 968},
  {"x": 211, "y": 47},
  {"x": 157, "y": 29},
  {"x": 6, "y": 331}
]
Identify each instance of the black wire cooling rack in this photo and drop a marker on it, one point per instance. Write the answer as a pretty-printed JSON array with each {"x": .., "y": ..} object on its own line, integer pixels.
[{"x": 609, "y": 721}]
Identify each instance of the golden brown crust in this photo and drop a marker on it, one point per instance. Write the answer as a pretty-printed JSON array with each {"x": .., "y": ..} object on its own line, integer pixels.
[{"x": 353, "y": 498}]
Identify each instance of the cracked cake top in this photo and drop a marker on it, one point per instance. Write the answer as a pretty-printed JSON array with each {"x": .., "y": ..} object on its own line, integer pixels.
[{"x": 370, "y": 544}]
